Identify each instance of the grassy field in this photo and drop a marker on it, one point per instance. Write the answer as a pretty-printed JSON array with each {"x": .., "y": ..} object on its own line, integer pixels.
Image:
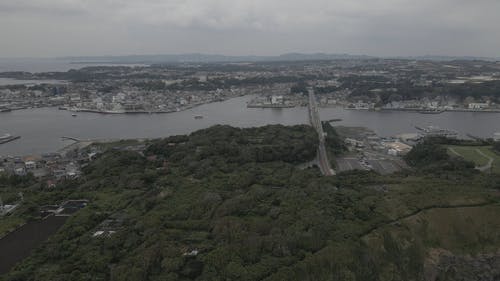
[
  {"x": 438, "y": 227},
  {"x": 473, "y": 153}
]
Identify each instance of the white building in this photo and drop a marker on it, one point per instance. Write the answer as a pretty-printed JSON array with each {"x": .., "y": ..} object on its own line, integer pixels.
[
  {"x": 477, "y": 105},
  {"x": 120, "y": 97},
  {"x": 277, "y": 99},
  {"x": 30, "y": 165},
  {"x": 496, "y": 136},
  {"x": 397, "y": 148},
  {"x": 99, "y": 103},
  {"x": 20, "y": 171}
]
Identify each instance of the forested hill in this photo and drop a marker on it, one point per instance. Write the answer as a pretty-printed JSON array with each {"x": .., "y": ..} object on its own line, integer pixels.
[{"x": 231, "y": 204}]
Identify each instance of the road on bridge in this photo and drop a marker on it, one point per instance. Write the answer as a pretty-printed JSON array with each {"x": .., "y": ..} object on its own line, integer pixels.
[{"x": 324, "y": 163}]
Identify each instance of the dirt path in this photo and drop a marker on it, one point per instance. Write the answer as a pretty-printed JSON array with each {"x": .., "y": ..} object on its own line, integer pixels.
[
  {"x": 418, "y": 211},
  {"x": 487, "y": 166},
  {"x": 478, "y": 151},
  {"x": 455, "y": 152}
]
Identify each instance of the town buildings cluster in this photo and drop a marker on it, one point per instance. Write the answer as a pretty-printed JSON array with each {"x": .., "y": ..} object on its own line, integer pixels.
[
  {"x": 355, "y": 84},
  {"x": 51, "y": 168},
  {"x": 364, "y": 84}
]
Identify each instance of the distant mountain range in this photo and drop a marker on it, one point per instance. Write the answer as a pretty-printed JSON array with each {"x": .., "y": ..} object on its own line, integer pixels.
[
  {"x": 208, "y": 58},
  {"x": 205, "y": 58},
  {"x": 448, "y": 58}
]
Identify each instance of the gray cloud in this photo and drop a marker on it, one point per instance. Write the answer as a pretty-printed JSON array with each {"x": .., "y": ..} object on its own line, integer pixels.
[
  {"x": 375, "y": 27},
  {"x": 14, "y": 8}
]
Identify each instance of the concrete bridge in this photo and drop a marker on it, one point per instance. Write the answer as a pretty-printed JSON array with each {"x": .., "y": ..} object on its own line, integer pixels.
[{"x": 314, "y": 119}]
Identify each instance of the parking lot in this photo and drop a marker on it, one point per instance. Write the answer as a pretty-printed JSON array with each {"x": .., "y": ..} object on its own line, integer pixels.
[
  {"x": 387, "y": 166},
  {"x": 367, "y": 151},
  {"x": 382, "y": 166},
  {"x": 348, "y": 164}
]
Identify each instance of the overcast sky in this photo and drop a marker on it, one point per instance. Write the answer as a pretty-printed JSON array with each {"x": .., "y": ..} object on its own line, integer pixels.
[{"x": 41, "y": 28}]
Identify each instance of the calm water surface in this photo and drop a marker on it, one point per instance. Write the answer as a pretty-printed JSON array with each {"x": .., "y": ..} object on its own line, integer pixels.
[
  {"x": 41, "y": 129},
  {"x": 50, "y": 64},
  {"x": 11, "y": 81}
]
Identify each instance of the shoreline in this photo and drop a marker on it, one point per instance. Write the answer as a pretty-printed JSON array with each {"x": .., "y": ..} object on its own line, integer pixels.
[
  {"x": 270, "y": 106},
  {"x": 249, "y": 105},
  {"x": 426, "y": 111},
  {"x": 111, "y": 112}
]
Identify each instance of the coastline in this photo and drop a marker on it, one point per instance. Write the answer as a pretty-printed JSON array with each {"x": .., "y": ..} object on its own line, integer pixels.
[
  {"x": 250, "y": 105},
  {"x": 271, "y": 106},
  {"x": 112, "y": 112},
  {"x": 426, "y": 111}
]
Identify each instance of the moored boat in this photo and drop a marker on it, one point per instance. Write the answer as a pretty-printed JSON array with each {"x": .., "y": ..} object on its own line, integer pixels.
[
  {"x": 5, "y": 136},
  {"x": 8, "y": 138}
]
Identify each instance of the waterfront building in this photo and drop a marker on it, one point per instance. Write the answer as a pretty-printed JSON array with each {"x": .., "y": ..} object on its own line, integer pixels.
[
  {"x": 476, "y": 105},
  {"x": 496, "y": 136},
  {"x": 30, "y": 165},
  {"x": 397, "y": 148},
  {"x": 277, "y": 99}
]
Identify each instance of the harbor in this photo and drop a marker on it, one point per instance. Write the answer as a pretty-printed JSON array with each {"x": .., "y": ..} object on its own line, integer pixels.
[
  {"x": 38, "y": 137},
  {"x": 273, "y": 101}
]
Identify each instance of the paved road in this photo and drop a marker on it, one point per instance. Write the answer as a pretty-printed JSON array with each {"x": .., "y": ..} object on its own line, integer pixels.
[
  {"x": 345, "y": 164},
  {"x": 324, "y": 163}
]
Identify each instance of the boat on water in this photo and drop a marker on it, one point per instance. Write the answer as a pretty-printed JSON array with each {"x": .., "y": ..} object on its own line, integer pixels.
[
  {"x": 198, "y": 117},
  {"x": 8, "y": 138},
  {"x": 5, "y": 136},
  {"x": 74, "y": 115}
]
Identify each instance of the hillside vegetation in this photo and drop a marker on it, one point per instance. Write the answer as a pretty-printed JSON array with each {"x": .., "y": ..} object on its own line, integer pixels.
[{"x": 230, "y": 204}]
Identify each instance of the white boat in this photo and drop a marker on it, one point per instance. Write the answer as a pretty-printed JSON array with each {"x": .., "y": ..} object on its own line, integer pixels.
[{"x": 6, "y": 136}]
